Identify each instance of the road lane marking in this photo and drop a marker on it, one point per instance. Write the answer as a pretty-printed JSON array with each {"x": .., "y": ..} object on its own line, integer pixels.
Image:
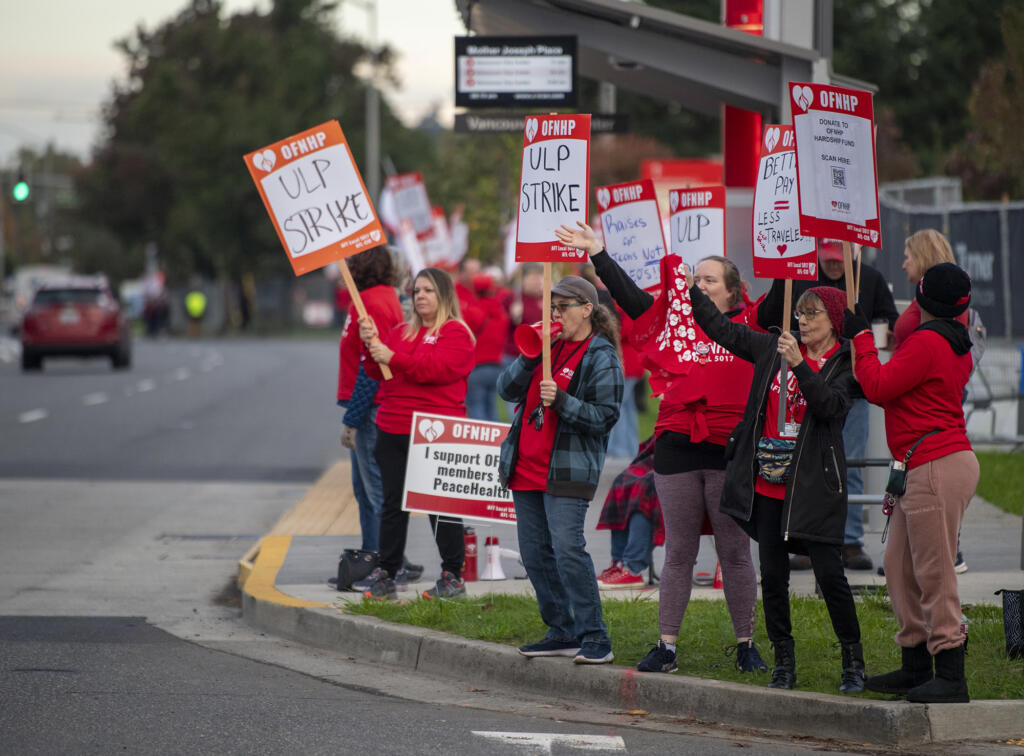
[
  {"x": 33, "y": 416},
  {"x": 146, "y": 384},
  {"x": 97, "y": 397},
  {"x": 542, "y": 742}
]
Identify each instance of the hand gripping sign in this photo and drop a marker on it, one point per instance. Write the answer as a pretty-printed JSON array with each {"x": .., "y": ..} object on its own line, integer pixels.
[
  {"x": 632, "y": 230},
  {"x": 835, "y": 161},
  {"x": 780, "y": 251},
  {"x": 697, "y": 223},
  {"x": 553, "y": 189},
  {"x": 315, "y": 197},
  {"x": 453, "y": 469}
]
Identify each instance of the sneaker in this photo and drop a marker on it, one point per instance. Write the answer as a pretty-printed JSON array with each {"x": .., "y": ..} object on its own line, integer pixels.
[
  {"x": 383, "y": 589},
  {"x": 658, "y": 659},
  {"x": 364, "y": 585},
  {"x": 959, "y": 566},
  {"x": 624, "y": 578},
  {"x": 413, "y": 571},
  {"x": 799, "y": 562},
  {"x": 447, "y": 586},
  {"x": 550, "y": 647},
  {"x": 855, "y": 558},
  {"x": 747, "y": 657},
  {"x": 614, "y": 569},
  {"x": 594, "y": 653}
]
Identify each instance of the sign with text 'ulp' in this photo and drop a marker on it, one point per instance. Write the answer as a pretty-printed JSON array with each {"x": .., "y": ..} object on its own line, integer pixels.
[
  {"x": 780, "y": 251},
  {"x": 835, "y": 163},
  {"x": 697, "y": 223},
  {"x": 315, "y": 196},
  {"x": 632, "y": 230},
  {"x": 553, "y": 187}
]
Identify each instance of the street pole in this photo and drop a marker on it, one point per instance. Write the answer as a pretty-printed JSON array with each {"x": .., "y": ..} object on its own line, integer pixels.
[{"x": 371, "y": 171}]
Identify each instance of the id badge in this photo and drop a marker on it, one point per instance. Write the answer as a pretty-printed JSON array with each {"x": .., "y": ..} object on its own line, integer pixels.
[{"x": 790, "y": 430}]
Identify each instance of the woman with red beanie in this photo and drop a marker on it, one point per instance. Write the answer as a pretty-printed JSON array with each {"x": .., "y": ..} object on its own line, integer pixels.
[
  {"x": 920, "y": 389},
  {"x": 786, "y": 481}
]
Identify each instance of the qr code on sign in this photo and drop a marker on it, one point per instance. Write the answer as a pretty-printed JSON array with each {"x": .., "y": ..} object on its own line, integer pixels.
[{"x": 839, "y": 177}]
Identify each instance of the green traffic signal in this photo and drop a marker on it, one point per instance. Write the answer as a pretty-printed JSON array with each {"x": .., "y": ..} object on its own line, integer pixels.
[{"x": 20, "y": 191}]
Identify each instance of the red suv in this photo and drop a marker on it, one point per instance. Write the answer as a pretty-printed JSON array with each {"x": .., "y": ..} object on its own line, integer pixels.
[{"x": 78, "y": 317}]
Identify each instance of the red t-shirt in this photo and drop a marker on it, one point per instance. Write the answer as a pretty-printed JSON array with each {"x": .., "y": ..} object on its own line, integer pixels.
[
  {"x": 381, "y": 303},
  {"x": 796, "y": 406},
  {"x": 534, "y": 462}
]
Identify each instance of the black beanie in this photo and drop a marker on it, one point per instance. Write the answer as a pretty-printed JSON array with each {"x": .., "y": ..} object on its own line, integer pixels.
[{"x": 944, "y": 290}]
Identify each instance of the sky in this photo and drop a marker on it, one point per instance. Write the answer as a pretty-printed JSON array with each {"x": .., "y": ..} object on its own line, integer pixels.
[{"x": 58, "y": 62}]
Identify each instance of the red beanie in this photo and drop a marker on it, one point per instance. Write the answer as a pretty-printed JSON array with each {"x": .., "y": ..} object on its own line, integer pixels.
[{"x": 835, "y": 304}]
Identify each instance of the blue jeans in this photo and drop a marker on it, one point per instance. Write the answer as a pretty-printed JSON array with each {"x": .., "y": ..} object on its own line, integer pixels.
[
  {"x": 366, "y": 482},
  {"x": 855, "y": 439},
  {"x": 623, "y": 441},
  {"x": 632, "y": 546},
  {"x": 554, "y": 553},
  {"x": 482, "y": 392}
]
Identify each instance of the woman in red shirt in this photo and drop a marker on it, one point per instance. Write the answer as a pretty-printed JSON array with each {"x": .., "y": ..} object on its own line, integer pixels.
[{"x": 430, "y": 356}]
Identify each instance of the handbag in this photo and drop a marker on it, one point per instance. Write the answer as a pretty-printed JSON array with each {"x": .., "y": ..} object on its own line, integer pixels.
[
  {"x": 1013, "y": 621},
  {"x": 355, "y": 565},
  {"x": 773, "y": 458}
]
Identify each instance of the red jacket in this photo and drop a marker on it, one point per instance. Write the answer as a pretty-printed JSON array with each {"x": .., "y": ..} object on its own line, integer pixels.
[
  {"x": 381, "y": 303},
  {"x": 921, "y": 389},
  {"x": 428, "y": 375},
  {"x": 909, "y": 320},
  {"x": 489, "y": 321}
]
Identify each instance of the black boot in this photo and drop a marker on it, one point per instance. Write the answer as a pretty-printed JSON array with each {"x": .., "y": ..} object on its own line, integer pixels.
[
  {"x": 853, "y": 669},
  {"x": 916, "y": 670},
  {"x": 784, "y": 674},
  {"x": 949, "y": 685}
]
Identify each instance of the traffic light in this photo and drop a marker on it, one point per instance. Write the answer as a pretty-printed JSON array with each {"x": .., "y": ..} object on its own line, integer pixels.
[{"x": 20, "y": 190}]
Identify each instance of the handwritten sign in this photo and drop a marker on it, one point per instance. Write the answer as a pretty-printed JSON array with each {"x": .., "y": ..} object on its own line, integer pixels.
[
  {"x": 697, "y": 223},
  {"x": 780, "y": 251},
  {"x": 411, "y": 202},
  {"x": 553, "y": 186},
  {"x": 835, "y": 162},
  {"x": 632, "y": 230},
  {"x": 453, "y": 468},
  {"x": 315, "y": 197}
]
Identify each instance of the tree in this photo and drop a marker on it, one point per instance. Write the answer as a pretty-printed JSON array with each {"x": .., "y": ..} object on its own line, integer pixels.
[{"x": 200, "y": 92}]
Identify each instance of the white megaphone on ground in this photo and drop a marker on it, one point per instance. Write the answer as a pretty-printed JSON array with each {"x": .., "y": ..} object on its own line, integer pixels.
[{"x": 492, "y": 565}]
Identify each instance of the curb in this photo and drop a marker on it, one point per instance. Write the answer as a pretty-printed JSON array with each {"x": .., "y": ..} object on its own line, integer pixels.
[{"x": 479, "y": 663}]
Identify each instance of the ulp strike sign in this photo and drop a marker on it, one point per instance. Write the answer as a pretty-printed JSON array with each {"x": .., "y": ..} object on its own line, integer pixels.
[
  {"x": 835, "y": 162},
  {"x": 453, "y": 468},
  {"x": 315, "y": 197},
  {"x": 780, "y": 251},
  {"x": 553, "y": 187}
]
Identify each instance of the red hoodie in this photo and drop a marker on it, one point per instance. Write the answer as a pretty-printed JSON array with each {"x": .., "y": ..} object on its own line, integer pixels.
[
  {"x": 428, "y": 375},
  {"x": 381, "y": 303},
  {"x": 489, "y": 321},
  {"x": 921, "y": 389}
]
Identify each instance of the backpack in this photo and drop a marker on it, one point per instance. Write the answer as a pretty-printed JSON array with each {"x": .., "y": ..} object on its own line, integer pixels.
[{"x": 978, "y": 333}]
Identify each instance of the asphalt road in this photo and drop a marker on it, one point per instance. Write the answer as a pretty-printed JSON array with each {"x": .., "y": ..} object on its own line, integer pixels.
[{"x": 126, "y": 500}]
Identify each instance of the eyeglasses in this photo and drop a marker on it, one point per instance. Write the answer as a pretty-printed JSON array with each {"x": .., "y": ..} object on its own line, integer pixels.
[
  {"x": 807, "y": 314},
  {"x": 566, "y": 305}
]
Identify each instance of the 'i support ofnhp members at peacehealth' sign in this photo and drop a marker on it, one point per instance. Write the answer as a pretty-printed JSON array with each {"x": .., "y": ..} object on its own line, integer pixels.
[
  {"x": 553, "y": 188},
  {"x": 632, "y": 230},
  {"x": 780, "y": 251},
  {"x": 835, "y": 162},
  {"x": 315, "y": 197},
  {"x": 453, "y": 468}
]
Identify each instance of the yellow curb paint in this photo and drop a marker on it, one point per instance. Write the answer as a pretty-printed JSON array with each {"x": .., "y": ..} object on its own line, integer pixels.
[{"x": 261, "y": 581}]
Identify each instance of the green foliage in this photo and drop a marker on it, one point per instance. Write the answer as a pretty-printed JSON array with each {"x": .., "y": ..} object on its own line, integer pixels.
[
  {"x": 1002, "y": 480},
  {"x": 706, "y": 643},
  {"x": 201, "y": 91}
]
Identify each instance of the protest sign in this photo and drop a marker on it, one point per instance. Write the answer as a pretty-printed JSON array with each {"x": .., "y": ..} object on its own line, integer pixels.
[
  {"x": 453, "y": 469},
  {"x": 780, "y": 251},
  {"x": 632, "y": 230},
  {"x": 437, "y": 245},
  {"x": 411, "y": 202},
  {"x": 315, "y": 197},
  {"x": 553, "y": 186},
  {"x": 697, "y": 223},
  {"x": 835, "y": 162}
]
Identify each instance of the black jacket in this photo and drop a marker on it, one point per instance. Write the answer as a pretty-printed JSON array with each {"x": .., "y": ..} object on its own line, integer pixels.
[{"x": 815, "y": 503}]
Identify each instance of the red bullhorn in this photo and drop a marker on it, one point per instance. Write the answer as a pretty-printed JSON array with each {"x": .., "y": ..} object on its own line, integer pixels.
[{"x": 529, "y": 340}]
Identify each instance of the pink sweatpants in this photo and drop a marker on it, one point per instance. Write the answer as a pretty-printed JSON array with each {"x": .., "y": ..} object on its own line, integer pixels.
[{"x": 921, "y": 548}]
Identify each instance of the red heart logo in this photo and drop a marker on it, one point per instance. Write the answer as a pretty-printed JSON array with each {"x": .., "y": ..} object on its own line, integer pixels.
[
  {"x": 833, "y": 203},
  {"x": 782, "y": 248}
]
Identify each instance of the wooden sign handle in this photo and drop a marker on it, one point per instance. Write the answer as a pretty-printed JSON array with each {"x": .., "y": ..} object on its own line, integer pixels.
[
  {"x": 358, "y": 302},
  {"x": 787, "y": 326},
  {"x": 546, "y": 326},
  {"x": 851, "y": 293}
]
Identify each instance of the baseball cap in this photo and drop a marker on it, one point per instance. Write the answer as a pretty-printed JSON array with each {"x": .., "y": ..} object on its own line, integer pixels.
[{"x": 576, "y": 288}]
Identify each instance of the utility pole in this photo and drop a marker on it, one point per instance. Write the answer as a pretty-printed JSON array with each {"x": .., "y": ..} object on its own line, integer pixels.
[{"x": 372, "y": 167}]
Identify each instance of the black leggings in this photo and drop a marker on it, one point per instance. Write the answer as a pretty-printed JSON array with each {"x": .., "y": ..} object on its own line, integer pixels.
[
  {"x": 391, "y": 453},
  {"x": 827, "y": 562}
]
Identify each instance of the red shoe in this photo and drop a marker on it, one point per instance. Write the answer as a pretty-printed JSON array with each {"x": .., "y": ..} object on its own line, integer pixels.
[
  {"x": 623, "y": 579},
  {"x": 615, "y": 569}
]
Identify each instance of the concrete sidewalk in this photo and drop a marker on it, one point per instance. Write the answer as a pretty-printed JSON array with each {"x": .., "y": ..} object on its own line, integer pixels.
[{"x": 285, "y": 592}]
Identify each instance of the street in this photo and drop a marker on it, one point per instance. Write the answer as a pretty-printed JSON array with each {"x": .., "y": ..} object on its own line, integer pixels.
[{"x": 122, "y": 520}]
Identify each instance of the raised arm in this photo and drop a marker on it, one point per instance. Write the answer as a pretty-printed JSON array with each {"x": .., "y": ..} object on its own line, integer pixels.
[{"x": 633, "y": 300}]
